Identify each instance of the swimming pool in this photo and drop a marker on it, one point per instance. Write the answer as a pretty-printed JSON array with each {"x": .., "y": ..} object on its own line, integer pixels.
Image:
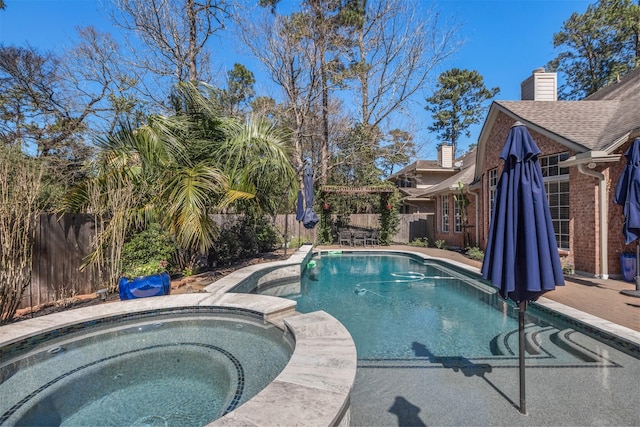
[
  {"x": 176, "y": 367},
  {"x": 403, "y": 309}
]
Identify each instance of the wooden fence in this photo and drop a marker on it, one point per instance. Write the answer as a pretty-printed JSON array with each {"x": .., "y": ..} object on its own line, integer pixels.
[
  {"x": 60, "y": 247},
  {"x": 62, "y": 244}
]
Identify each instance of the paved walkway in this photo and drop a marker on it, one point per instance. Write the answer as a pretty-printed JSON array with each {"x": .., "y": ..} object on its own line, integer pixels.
[{"x": 600, "y": 298}]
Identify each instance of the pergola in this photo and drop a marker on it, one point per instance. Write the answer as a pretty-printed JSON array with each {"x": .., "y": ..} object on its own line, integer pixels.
[
  {"x": 385, "y": 192},
  {"x": 344, "y": 189}
]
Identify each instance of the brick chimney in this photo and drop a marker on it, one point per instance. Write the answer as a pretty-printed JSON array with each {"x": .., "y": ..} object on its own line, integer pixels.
[
  {"x": 445, "y": 156},
  {"x": 540, "y": 86}
]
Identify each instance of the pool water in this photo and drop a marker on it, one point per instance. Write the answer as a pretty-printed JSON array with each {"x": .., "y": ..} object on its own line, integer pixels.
[
  {"x": 401, "y": 308},
  {"x": 182, "y": 370}
]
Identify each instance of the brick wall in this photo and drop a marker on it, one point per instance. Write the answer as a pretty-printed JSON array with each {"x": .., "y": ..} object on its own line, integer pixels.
[
  {"x": 616, "y": 216},
  {"x": 583, "y": 190},
  {"x": 584, "y": 227}
]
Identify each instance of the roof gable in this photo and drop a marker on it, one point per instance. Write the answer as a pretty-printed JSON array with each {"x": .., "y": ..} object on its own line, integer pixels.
[{"x": 600, "y": 122}]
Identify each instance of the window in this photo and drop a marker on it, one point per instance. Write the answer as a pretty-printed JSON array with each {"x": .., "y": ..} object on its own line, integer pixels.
[
  {"x": 493, "y": 184},
  {"x": 549, "y": 165},
  {"x": 445, "y": 214},
  {"x": 556, "y": 185},
  {"x": 404, "y": 183},
  {"x": 457, "y": 217}
]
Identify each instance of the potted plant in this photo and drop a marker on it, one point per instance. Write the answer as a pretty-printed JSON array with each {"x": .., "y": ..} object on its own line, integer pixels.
[
  {"x": 145, "y": 280},
  {"x": 144, "y": 264}
]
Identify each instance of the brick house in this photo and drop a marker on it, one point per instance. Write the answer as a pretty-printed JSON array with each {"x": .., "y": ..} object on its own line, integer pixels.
[
  {"x": 415, "y": 179},
  {"x": 454, "y": 220},
  {"x": 582, "y": 144}
]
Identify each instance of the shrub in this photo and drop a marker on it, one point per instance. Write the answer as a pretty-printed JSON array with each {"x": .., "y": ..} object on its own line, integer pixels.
[
  {"x": 567, "y": 267},
  {"x": 147, "y": 252},
  {"x": 243, "y": 239},
  {"x": 422, "y": 242},
  {"x": 296, "y": 242},
  {"x": 475, "y": 253},
  {"x": 441, "y": 244}
]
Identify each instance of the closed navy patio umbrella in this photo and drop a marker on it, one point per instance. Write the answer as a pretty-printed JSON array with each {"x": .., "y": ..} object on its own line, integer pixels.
[
  {"x": 628, "y": 195},
  {"x": 521, "y": 257},
  {"x": 299, "y": 211},
  {"x": 310, "y": 218},
  {"x": 300, "y": 207}
]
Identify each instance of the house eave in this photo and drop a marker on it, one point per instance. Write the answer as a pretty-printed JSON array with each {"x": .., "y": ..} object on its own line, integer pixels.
[{"x": 589, "y": 158}]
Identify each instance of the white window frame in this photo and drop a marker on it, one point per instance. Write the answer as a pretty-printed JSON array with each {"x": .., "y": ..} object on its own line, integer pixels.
[
  {"x": 493, "y": 185},
  {"x": 457, "y": 217},
  {"x": 444, "y": 211},
  {"x": 556, "y": 186}
]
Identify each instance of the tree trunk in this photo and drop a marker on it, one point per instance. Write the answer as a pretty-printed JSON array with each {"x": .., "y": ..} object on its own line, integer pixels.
[{"x": 191, "y": 16}]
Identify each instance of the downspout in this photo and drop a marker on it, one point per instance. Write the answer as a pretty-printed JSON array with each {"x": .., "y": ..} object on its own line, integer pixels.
[
  {"x": 602, "y": 183},
  {"x": 475, "y": 195}
]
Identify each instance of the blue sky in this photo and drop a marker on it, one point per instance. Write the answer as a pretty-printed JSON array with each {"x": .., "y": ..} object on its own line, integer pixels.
[{"x": 505, "y": 40}]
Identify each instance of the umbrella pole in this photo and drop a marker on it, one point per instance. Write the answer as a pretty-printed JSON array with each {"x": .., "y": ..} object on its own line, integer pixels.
[
  {"x": 638, "y": 265},
  {"x": 522, "y": 305}
]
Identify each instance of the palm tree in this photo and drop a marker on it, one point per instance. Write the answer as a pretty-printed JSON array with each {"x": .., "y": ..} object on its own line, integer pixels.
[{"x": 177, "y": 170}]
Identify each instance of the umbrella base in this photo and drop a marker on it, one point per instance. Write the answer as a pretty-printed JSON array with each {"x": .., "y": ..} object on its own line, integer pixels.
[{"x": 631, "y": 293}]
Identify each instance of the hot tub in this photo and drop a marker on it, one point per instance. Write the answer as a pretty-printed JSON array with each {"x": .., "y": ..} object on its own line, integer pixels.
[{"x": 174, "y": 367}]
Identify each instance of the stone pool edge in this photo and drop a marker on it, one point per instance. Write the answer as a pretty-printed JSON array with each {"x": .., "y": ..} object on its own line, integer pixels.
[
  {"x": 629, "y": 336},
  {"x": 315, "y": 386}
]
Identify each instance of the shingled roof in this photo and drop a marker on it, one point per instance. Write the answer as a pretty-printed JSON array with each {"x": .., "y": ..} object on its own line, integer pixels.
[
  {"x": 601, "y": 122},
  {"x": 417, "y": 166},
  {"x": 589, "y": 124},
  {"x": 465, "y": 176}
]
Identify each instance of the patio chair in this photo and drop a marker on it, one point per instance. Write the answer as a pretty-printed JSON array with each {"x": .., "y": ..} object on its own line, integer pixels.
[
  {"x": 344, "y": 237},
  {"x": 359, "y": 238},
  {"x": 372, "y": 238}
]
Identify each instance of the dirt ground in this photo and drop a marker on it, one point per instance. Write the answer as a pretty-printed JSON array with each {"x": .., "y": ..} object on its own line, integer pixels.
[{"x": 179, "y": 285}]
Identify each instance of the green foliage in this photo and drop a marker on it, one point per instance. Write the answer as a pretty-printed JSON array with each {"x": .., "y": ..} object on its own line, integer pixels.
[
  {"x": 296, "y": 242},
  {"x": 567, "y": 267},
  {"x": 475, "y": 253},
  {"x": 441, "y": 244},
  {"x": 239, "y": 92},
  {"x": 422, "y": 242},
  {"x": 325, "y": 234},
  {"x": 244, "y": 239},
  {"x": 356, "y": 160},
  {"x": 597, "y": 47},
  {"x": 148, "y": 252},
  {"x": 389, "y": 217},
  {"x": 457, "y": 104},
  {"x": 398, "y": 151}
]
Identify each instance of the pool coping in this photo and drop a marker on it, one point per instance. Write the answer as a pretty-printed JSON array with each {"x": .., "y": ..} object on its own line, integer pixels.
[
  {"x": 628, "y": 335},
  {"x": 314, "y": 387}
]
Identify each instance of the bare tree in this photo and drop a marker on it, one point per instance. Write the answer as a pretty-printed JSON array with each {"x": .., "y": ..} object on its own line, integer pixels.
[
  {"x": 396, "y": 48},
  {"x": 290, "y": 61},
  {"x": 51, "y": 105},
  {"x": 20, "y": 179},
  {"x": 175, "y": 33}
]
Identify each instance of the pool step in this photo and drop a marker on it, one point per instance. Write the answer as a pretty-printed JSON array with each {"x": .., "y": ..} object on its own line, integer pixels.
[
  {"x": 569, "y": 341},
  {"x": 544, "y": 342}
]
